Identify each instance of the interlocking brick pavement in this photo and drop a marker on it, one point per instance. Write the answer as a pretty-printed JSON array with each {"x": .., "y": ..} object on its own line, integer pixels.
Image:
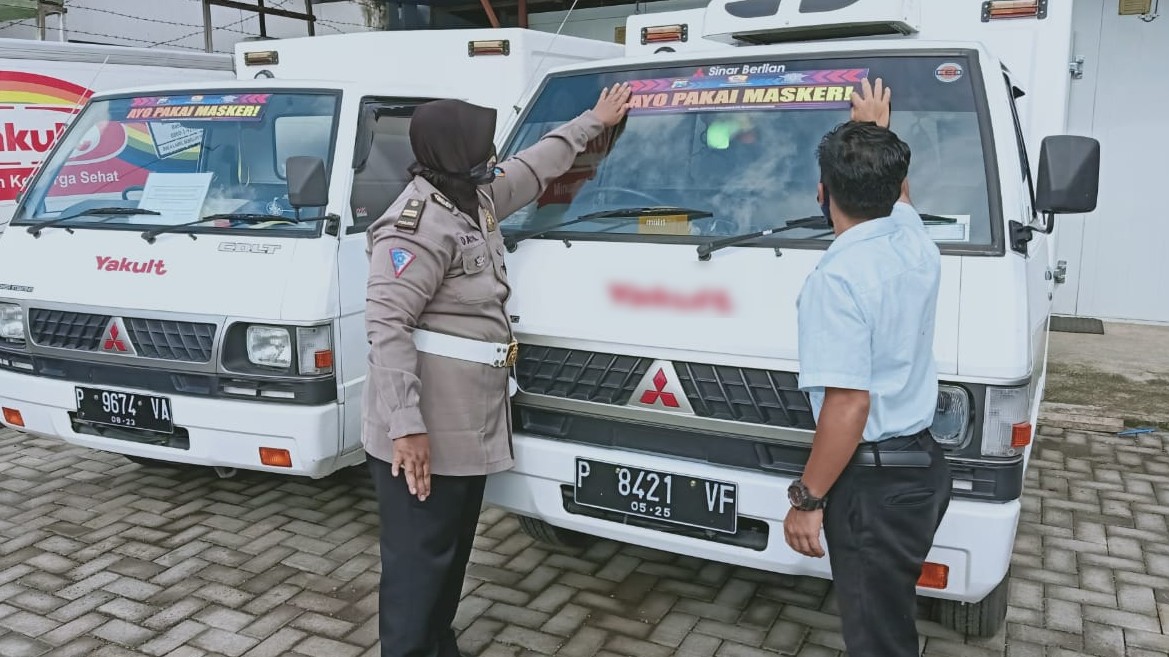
[{"x": 102, "y": 558}]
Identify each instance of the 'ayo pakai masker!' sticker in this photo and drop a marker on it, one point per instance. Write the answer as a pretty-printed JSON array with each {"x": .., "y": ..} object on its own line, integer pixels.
[
  {"x": 747, "y": 86},
  {"x": 231, "y": 107}
]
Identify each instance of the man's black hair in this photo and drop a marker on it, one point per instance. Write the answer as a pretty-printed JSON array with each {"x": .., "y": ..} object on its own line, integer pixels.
[{"x": 861, "y": 167}]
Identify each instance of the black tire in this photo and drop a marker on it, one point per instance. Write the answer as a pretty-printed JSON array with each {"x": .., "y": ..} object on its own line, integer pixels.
[
  {"x": 545, "y": 533},
  {"x": 981, "y": 619}
]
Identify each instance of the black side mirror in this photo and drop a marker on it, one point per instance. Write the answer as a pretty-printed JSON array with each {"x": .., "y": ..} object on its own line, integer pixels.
[
  {"x": 308, "y": 184},
  {"x": 1069, "y": 175}
]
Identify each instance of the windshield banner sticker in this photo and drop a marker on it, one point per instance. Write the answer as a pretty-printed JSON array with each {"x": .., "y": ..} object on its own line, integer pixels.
[
  {"x": 760, "y": 86},
  {"x": 246, "y": 107}
]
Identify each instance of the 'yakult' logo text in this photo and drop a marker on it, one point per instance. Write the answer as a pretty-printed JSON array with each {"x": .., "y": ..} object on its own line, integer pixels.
[
  {"x": 156, "y": 267},
  {"x": 717, "y": 301}
]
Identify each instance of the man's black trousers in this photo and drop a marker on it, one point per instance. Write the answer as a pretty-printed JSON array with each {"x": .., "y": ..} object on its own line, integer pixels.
[
  {"x": 424, "y": 551},
  {"x": 879, "y": 524}
]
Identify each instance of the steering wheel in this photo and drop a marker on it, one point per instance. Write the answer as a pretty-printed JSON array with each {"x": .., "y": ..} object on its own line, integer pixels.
[{"x": 131, "y": 188}]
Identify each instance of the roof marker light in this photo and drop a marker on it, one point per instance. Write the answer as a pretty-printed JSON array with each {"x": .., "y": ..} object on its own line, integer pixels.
[
  {"x": 496, "y": 47},
  {"x": 664, "y": 33},
  {"x": 999, "y": 9}
]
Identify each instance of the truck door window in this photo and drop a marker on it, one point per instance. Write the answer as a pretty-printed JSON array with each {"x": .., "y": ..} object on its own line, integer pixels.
[
  {"x": 1024, "y": 161},
  {"x": 380, "y": 177}
]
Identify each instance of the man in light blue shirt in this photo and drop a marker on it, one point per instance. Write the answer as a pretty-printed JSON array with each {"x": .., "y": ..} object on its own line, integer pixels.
[{"x": 876, "y": 481}]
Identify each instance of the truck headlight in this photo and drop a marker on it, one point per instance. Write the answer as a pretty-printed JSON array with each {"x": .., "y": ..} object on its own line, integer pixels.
[
  {"x": 1005, "y": 408},
  {"x": 11, "y": 323},
  {"x": 270, "y": 346},
  {"x": 952, "y": 416}
]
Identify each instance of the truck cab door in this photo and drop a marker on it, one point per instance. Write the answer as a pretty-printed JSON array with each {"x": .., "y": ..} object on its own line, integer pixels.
[
  {"x": 1039, "y": 268},
  {"x": 381, "y": 156}
]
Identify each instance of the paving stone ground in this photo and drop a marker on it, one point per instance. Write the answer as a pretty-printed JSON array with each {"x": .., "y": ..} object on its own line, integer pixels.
[{"x": 103, "y": 558}]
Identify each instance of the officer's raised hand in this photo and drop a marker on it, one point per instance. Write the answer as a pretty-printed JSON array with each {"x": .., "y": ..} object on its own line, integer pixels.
[
  {"x": 613, "y": 104},
  {"x": 412, "y": 457}
]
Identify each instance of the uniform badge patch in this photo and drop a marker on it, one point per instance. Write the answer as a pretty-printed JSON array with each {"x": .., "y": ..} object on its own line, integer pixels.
[
  {"x": 499, "y": 172},
  {"x": 400, "y": 259},
  {"x": 411, "y": 215}
]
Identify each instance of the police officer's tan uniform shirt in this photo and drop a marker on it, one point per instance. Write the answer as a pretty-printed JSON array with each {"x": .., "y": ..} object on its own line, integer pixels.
[{"x": 448, "y": 276}]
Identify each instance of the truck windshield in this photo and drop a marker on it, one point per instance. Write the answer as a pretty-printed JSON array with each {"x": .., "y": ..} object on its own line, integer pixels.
[
  {"x": 738, "y": 140},
  {"x": 180, "y": 158}
]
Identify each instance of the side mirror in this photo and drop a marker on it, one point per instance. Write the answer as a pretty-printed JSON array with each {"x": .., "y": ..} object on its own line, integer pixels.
[
  {"x": 1069, "y": 175},
  {"x": 308, "y": 184}
]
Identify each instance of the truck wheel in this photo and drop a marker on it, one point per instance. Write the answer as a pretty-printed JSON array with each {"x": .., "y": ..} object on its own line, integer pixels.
[
  {"x": 981, "y": 619},
  {"x": 545, "y": 533}
]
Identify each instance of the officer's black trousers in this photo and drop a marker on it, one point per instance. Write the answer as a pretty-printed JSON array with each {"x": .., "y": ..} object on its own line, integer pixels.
[
  {"x": 879, "y": 525},
  {"x": 424, "y": 550}
]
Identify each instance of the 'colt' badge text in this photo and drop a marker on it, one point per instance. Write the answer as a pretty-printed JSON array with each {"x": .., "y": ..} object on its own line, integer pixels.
[
  {"x": 152, "y": 266},
  {"x": 244, "y": 247}
]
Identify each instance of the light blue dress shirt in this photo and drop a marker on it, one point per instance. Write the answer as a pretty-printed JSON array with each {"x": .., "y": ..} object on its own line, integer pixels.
[{"x": 866, "y": 322}]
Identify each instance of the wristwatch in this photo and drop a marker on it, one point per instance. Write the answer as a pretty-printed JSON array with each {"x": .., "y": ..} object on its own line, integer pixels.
[{"x": 801, "y": 499}]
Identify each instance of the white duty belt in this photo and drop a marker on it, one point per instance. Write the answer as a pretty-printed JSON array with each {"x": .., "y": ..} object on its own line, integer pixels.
[{"x": 495, "y": 354}]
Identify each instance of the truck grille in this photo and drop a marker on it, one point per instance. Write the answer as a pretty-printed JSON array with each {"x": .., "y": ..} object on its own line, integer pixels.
[
  {"x": 715, "y": 391},
  {"x": 152, "y": 338},
  {"x": 582, "y": 375}
]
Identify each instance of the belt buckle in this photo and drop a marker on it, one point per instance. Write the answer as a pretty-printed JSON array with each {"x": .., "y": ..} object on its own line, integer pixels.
[{"x": 513, "y": 352}]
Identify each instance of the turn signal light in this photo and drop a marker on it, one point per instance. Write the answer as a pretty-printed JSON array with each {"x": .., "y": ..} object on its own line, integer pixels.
[
  {"x": 13, "y": 418},
  {"x": 663, "y": 33},
  {"x": 934, "y": 576},
  {"x": 496, "y": 47},
  {"x": 1021, "y": 434},
  {"x": 323, "y": 359},
  {"x": 996, "y": 9},
  {"x": 276, "y": 458}
]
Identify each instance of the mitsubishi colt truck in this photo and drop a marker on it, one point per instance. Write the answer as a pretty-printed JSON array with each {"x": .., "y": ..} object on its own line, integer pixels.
[
  {"x": 184, "y": 279},
  {"x": 656, "y": 281}
]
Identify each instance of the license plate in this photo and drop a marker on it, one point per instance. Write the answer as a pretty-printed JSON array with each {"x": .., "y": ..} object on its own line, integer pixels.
[
  {"x": 664, "y": 496},
  {"x": 124, "y": 409}
]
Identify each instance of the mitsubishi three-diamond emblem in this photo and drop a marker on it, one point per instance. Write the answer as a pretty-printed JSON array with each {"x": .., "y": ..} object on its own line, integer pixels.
[
  {"x": 660, "y": 389},
  {"x": 116, "y": 340}
]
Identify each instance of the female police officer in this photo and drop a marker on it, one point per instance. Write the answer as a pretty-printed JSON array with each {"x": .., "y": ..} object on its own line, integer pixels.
[{"x": 436, "y": 414}]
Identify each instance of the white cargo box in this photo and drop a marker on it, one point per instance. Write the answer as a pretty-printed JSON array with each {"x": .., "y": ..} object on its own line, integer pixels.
[{"x": 488, "y": 64}]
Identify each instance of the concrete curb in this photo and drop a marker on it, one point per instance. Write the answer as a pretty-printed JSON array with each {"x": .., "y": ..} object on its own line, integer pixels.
[{"x": 1078, "y": 418}]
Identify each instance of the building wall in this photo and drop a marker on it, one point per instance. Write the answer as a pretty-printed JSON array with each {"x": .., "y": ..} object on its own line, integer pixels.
[
  {"x": 178, "y": 24},
  {"x": 600, "y": 23},
  {"x": 1117, "y": 267}
]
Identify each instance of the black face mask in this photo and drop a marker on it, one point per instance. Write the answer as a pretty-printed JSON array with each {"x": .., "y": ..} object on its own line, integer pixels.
[
  {"x": 824, "y": 207},
  {"x": 484, "y": 172}
]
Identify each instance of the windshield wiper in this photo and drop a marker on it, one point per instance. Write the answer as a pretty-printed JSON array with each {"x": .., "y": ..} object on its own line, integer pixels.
[
  {"x": 235, "y": 216},
  {"x": 616, "y": 213},
  {"x": 815, "y": 222},
  {"x": 35, "y": 229},
  {"x": 704, "y": 250}
]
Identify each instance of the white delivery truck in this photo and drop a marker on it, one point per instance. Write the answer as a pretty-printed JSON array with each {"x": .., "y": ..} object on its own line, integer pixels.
[
  {"x": 656, "y": 282},
  {"x": 43, "y": 85},
  {"x": 201, "y": 298}
]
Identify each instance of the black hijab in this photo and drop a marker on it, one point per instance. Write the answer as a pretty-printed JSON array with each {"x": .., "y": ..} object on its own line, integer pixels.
[{"x": 450, "y": 138}]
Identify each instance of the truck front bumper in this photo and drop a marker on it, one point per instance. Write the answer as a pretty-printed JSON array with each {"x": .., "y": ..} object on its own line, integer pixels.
[
  {"x": 218, "y": 432},
  {"x": 975, "y": 540}
]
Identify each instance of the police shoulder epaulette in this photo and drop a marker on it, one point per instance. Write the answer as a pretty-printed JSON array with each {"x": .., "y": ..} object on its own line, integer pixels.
[
  {"x": 411, "y": 215},
  {"x": 443, "y": 201}
]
